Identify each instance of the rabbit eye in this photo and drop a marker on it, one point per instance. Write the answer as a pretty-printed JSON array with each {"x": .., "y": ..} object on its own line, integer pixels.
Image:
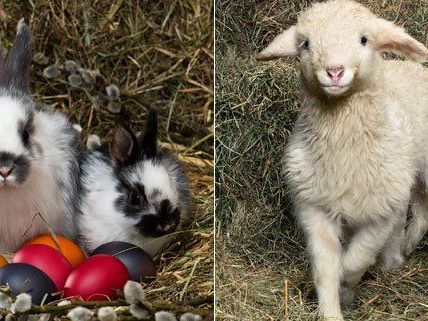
[
  {"x": 364, "y": 40},
  {"x": 25, "y": 136},
  {"x": 134, "y": 198},
  {"x": 25, "y": 130}
]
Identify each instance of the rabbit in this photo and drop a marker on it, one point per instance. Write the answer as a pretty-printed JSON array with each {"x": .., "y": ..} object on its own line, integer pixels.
[
  {"x": 133, "y": 191},
  {"x": 39, "y": 157}
]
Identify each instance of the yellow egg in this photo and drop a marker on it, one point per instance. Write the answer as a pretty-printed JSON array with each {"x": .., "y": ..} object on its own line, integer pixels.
[
  {"x": 3, "y": 261},
  {"x": 68, "y": 248}
]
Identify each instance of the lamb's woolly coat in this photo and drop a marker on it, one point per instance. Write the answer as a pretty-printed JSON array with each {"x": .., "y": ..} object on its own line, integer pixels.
[{"x": 358, "y": 158}]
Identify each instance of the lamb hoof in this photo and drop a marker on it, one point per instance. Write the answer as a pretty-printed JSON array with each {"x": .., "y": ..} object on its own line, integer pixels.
[{"x": 332, "y": 318}]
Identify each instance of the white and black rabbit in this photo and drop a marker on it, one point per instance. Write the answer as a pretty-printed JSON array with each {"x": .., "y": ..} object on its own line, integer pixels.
[
  {"x": 133, "y": 191},
  {"x": 39, "y": 156}
]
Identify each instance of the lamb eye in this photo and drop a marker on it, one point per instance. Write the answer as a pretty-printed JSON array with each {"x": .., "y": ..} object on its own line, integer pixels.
[
  {"x": 134, "y": 198},
  {"x": 306, "y": 44},
  {"x": 364, "y": 40}
]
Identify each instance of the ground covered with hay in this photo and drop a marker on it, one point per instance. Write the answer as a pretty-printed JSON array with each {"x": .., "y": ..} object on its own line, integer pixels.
[
  {"x": 160, "y": 55},
  {"x": 262, "y": 270}
]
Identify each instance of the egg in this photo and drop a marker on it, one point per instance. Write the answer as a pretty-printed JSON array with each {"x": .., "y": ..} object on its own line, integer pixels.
[
  {"x": 25, "y": 278},
  {"x": 47, "y": 259},
  {"x": 68, "y": 248},
  {"x": 3, "y": 261},
  {"x": 140, "y": 265},
  {"x": 97, "y": 279}
]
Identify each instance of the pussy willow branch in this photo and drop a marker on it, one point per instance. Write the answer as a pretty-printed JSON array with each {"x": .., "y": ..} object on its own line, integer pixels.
[{"x": 150, "y": 307}]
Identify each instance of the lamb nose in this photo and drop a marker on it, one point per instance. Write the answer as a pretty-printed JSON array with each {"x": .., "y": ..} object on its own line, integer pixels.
[{"x": 335, "y": 73}]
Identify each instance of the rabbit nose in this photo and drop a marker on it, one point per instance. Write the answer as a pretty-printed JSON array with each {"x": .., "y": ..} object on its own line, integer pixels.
[
  {"x": 168, "y": 219},
  {"x": 6, "y": 171},
  {"x": 166, "y": 228},
  {"x": 335, "y": 73}
]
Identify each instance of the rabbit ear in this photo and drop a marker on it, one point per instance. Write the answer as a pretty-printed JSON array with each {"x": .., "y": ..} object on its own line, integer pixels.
[
  {"x": 148, "y": 139},
  {"x": 16, "y": 68},
  {"x": 123, "y": 146},
  {"x": 1, "y": 64}
]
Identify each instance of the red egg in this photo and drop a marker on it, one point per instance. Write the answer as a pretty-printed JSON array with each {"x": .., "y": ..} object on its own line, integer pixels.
[
  {"x": 47, "y": 259},
  {"x": 97, "y": 279}
]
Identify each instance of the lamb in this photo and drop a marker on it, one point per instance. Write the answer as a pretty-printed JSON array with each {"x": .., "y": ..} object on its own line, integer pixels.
[
  {"x": 419, "y": 223},
  {"x": 358, "y": 153}
]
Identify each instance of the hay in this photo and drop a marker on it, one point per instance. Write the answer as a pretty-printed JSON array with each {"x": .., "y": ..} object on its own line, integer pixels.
[
  {"x": 262, "y": 270},
  {"x": 159, "y": 54}
]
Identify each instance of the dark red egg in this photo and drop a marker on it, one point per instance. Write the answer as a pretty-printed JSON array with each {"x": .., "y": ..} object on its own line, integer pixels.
[
  {"x": 47, "y": 259},
  {"x": 140, "y": 265},
  {"x": 25, "y": 278},
  {"x": 97, "y": 279}
]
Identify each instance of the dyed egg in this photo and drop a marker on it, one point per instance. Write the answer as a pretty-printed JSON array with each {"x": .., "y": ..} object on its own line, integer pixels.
[
  {"x": 47, "y": 259},
  {"x": 26, "y": 278},
  {"x": 70, "y": 250},
  {"x": 140, "y": 265},
  {"x": 3, "y": 261},
  {"x": 97, "y": 279}
]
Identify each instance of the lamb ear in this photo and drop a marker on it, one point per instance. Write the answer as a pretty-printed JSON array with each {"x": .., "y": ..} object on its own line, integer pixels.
[
  {"x": 284, "y": 45},
  {"x": 17, "y": 66},
  {"x": 122, "y": 146},
  {"x": 388, "y": 37},
  {"x": 148, "y": 139}
]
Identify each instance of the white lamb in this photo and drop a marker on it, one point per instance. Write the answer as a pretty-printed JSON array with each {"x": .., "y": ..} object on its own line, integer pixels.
[{"x": 358, "y": 152}]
